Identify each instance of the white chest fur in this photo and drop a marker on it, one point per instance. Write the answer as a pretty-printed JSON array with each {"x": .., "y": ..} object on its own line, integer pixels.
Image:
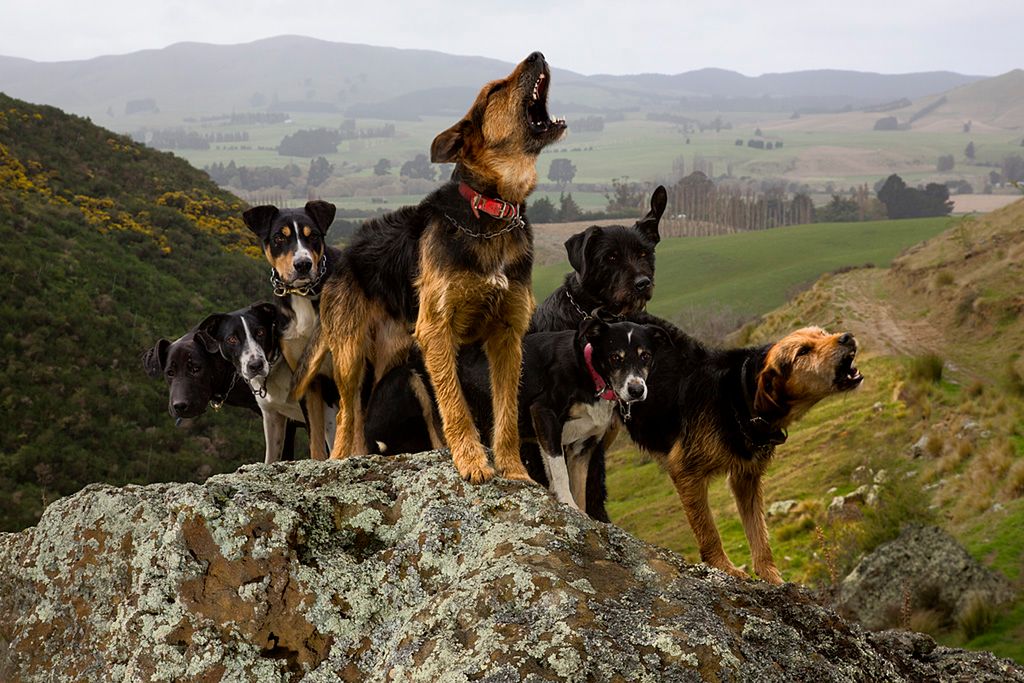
[
  {"x": 305, "y": 319},
  {"x": 278, "y": 383},
  {"x": 586, "y": 420}
]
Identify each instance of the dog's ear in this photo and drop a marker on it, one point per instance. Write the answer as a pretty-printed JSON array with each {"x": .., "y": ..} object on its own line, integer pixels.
[
  {"x": 155, "y": 359},
  {"x": 660, "y": 336},
  {"x": 260, "y": 218},
  {"x": 770, "y": 397},
  {"x": 576, "y": 247},
  {"x": 648, "y": 225},
  {"x": 448, "y": 144},
  {"x": 205, "y": 332},
  {"x": 322, "y": 214},
  {"x": 591, "y": 329},
  {"x": 270, "y": 314}
]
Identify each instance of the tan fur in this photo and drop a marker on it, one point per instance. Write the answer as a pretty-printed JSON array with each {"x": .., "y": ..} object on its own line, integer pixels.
[{"x": 788, "y": 382}]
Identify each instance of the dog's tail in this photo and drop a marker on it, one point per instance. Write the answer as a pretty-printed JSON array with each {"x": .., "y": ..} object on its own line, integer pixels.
[{"x": 309, "y": 364}]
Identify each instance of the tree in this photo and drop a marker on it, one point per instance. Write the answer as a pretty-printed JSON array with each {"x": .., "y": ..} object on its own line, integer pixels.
[
  {"x": 908, "y": 202},
  {"x": 382, "y": 167},
  {"x": 309, "y": 143},
  {"x": 542, "y": 210},
  {"x": 418, "y": 167},
  {"x": 839, "y": 210},
  {"x": 568, "y": 209},
  {"x": 562, "y": 171},
  {"x": 1013, "y": 169},
  {"x": 625, "y": 196},
  {"x": 969, "y": 150},
  {"x": 945, "y": 163},
  {"x": 319, "y": 171}
]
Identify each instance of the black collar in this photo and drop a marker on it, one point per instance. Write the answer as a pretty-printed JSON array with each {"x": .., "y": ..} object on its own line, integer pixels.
[
  {"x": 760, "y": 434},
  {"x": 310, "y": 290}
]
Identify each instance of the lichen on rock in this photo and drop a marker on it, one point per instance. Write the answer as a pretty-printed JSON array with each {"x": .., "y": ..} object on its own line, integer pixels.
[{"x": 374, "y": 569}]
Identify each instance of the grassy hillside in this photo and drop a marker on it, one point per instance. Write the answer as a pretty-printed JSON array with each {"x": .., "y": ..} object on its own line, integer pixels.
[
  {"x": 751, "y": 273},
  {"x": 107, "y": 246},
  {"x": 941, "y": 334}
]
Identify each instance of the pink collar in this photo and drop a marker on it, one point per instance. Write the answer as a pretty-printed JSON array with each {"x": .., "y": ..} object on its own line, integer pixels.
[{"x": 603, "y": 390}]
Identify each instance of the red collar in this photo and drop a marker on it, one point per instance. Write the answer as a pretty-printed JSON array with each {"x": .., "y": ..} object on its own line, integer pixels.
[
  {"x": 498, "y": 208},
  {"x": 603, "y": 390}
]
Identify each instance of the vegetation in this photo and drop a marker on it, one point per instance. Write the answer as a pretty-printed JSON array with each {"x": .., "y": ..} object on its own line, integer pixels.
[
  {"x": 909, "y": 202},
  {"x": 108, "y": 246}
]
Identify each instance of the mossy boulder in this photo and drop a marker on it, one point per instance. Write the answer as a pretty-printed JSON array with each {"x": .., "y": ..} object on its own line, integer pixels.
[{"x": 374, "y": 569}]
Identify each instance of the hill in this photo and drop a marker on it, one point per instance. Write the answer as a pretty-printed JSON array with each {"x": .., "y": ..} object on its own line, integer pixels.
[
  {"x": 296, "y": 73},
  {"x": 941, "y": 413},
  {"x": 108, "y": 245},
  {"x": 392, "y": 568}
]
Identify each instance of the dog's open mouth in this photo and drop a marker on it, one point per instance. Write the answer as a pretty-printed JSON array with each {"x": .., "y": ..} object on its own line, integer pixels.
[
  {"x": 847, "y": 375},
  {"x": 537, "y": 116}
]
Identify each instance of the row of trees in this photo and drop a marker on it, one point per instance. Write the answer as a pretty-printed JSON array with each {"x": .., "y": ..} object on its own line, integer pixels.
[{"x": 697, "y": 198}]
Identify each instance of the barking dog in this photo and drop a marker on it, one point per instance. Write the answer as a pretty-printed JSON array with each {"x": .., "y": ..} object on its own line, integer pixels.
[
  {"x": 711, "y": 412},
  {"x": 249, "y": 340},
  {"x": 458, "y": 265},
  {"x": 294, "y": 244}
]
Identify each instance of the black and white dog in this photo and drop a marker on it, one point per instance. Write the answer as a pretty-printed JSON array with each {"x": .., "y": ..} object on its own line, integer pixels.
[
  {"x": 294, "y": 243},
  {"x": 572, "y": 383},
  {"x": 249, "y": 340}
]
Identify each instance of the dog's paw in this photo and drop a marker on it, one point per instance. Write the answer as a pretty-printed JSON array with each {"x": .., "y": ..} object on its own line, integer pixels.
[
  {"x": 771, "y": 575},
  {"x": 518, "y": 474},
  {"x": 731, "y": 569},
  {"x": 476, "y": 473}
]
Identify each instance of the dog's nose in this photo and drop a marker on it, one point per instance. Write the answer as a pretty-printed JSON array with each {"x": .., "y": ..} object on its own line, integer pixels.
[
  {"x": 303, "y": 266},
  {"x": 181, "y": 407},
  {"x": 636, "y": 389},
  {"x": 642, "y": 283},
  {"x": 846, "y": 339},
  {"x": 535, "y": 56},
  {"x": 255, "y": 367}
]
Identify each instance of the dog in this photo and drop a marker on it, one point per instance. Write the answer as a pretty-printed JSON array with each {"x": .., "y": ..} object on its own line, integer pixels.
[
  {"x": 613, "y": 270},
  {"x": 573, "y": 384},
  {"x": 249, "y": 340},
  {"x": 613, "y": 275},
  {"x": 294, "y": 243},
  {"x": 197, "y": 379},
  {"x": 710, "y": 412},
  {"x": 456, "y": 267}
]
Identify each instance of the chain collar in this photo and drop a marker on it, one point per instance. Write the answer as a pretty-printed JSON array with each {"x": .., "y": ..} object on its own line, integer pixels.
[
  {"x": 261, "y": 391},
  {"x": 214, "y": 403},
  {"x": 513, "y": 224},
  {"x": 311, "y": 289},
  {"x": 601, "y": 312}
]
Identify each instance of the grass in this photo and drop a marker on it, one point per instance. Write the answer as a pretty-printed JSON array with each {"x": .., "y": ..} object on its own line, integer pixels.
[{"x": 755, "y": 272}]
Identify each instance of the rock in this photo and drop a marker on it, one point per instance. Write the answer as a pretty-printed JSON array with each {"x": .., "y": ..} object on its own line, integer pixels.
[
  {"x": 920, "y": 447},
  {"x": 925, "y": 566},
  {"x": 860, "y": 474},
  {"x": 854, "y": 500},
  {"x": 872, "y": 496},
  {"x": 881, "y": 476},
  {"x": 379, "y": 569},
  {"x": 780, "y": 508}
]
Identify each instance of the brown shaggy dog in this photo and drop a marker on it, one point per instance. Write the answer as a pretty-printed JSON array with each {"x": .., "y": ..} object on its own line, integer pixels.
[
  {"x": 457, "y": 266},
  {"x": 711, "y": 412}
]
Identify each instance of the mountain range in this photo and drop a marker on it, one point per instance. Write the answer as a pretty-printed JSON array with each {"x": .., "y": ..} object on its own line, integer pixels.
[{"x": 296, "y": 73}]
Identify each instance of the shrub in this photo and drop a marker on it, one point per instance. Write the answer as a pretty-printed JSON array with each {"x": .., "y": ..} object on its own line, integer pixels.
[
  {"x": 977, "y": 616},
  {"x": 926, "y": 368},
  {"x": 943, "y": 278}
]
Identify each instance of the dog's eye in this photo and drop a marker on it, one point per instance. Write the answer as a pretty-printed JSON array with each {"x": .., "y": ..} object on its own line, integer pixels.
[
  {"x": 280, "y": 239},
  {"x": 643, "y": 254},
  {"x": 803, "y": 351},
  {"x": 232, "y": 340},
  {"x": 615, "y": 360},
  {"x": 313, "y": 238},
  {"x": 614, "y": 256},
  {"x": 259, "y": 333},
  {"x": 645, "y": 356}
]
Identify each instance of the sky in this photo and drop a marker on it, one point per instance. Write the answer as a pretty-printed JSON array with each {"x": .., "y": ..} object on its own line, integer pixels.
[{"x": 980, "y": 37}]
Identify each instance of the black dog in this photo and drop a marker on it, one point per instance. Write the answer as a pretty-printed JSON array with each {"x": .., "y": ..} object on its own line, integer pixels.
[
  {"x": 301, "y": 261},
  {"x": 613, "y": 273},
  {"x": 572, "y": 383},
  {"x": 249, "y": 340},
  {"x": 613, "y": 269}
]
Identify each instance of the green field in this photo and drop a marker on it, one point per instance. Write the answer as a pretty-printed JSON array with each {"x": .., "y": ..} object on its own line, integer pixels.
[{"x": 752, "y": 273}]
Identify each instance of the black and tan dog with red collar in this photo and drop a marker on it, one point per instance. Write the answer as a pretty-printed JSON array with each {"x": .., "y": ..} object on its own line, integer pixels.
[{"x": 294, "y": 243}]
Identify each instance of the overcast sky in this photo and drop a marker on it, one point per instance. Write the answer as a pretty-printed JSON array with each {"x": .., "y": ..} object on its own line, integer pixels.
[{"x": 890, "y": 36}]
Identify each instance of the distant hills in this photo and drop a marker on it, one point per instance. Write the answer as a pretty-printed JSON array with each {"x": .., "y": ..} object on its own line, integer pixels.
[
  {"x": 197, "y": 79},
  {"x": 108, "y": 245}
]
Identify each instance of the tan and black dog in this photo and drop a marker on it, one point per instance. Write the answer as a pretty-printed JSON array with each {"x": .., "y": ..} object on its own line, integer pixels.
[
  {"x": 456, "y": 268},
  {"x": 711, "y": 412}
]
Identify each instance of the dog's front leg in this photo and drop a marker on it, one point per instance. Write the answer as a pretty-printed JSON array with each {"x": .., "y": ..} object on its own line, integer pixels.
[
  {"x": 505, "y": 356},
  {"x": 440, "y": 348},
  {"x": 549, "y": 437},
  {"x": 349, "y": 364},
  {"x": 746, "y": 488},
  {"x": 315, "y": 413},
  {"x": 692, "y": 488},
  {"x": 274, "y": 425}
]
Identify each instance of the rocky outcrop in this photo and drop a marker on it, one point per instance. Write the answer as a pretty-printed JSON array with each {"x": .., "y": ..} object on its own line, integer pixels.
[
  {"x": 925, "y": 568},
  {"x": 375, "y": 569}
]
